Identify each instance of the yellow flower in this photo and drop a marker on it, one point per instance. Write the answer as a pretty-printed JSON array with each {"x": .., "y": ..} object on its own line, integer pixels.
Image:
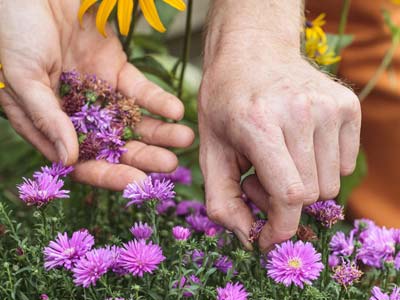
[
  {"x": 2, "y": 85},
  {"x": 314, "y": 28},
  {"x": 124, "y": 13}
]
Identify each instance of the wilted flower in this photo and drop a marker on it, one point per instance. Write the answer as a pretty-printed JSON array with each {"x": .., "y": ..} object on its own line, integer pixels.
[
  {"x": 255, "y": 230},
  {"x": 342, "y": 245},
  {"x": 232, "y": 292},
  {"x": 65, "y": 252},
  {"x": 306, "y": 233},
  {"x": 181, "y": 175},
  {"x": 180, "y": 233},
  {"x": 138, "y": 258},
  {"x": 326, "y": 212},
  {"x": 347, "y": 273},
  {"x": 377, "y": 294},
  {"x": 141, "y": 231},
  {"x": 294, "y": 263}
]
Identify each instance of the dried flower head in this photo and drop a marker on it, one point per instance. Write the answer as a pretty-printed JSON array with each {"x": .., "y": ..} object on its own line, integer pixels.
[
  {"x": 255, "y": 230},
  {"x": 347, "y": 273},
  {"x": 306, "y": 233},
  {"x": 327, "y": 212}
]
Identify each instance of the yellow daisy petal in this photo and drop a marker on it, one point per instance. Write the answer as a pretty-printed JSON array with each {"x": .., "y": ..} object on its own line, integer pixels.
[
  {"x": 319, "y": 21},
  {"x": 178, "y": 4},
  {"x": 151, "y": 15},
  {"x": 86, "y": 4},
  {"x": 103, "y": 13},
  {"x": 125, "y": 9},
  {"x": 2, "y": 85}
]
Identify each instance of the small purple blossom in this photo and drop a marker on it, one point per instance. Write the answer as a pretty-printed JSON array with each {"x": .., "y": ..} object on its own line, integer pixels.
[
  {"x": 232, "y": 292},
  {"x": 141, "y": 231},
  {"x": 44, "y": 297},
  {"x": 180, "y": 233},
  {"x": 187, "y": 207},
  {"x": 111, "y": 145},
  {"x": 327, "y": 212},
  {"x": 92, "y": 118},
  {"x": 138, "y": 258},
  {"x": 223, "y": 264},
  {"x": 165, "y": 206},
  {"x": 65, "y": 252},
  {"x": 147, "y": 190},
  {"x": 342, "y": 245},
  {"x": 397, "y": 262},
  {"x": 56, "y": 169},
  {"x": 333, "y": 261},
  {"x": 198, "y": 257},
  {"x": 181, "y": 175},
  {"x": 294, "y": 263},
  {"x": 200, "y": 223},
  {"x": 347, "y": 273},
  {"x": 378, "y": 294},
  {"x": 187, "y": 283}
]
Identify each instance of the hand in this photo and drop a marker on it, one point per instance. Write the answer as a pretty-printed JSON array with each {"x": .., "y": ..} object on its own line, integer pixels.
[
  {"x": 41, "y": 38},
  {"x": 263, "y": 105}
]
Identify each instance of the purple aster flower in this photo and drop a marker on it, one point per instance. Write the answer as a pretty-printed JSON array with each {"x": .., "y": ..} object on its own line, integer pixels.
[
  {"x": 361, "y": 227},
  {"x": 44, "y": 297},
  {"x": 377, "y": 294},
  {"x": 187, "y": 207},
  {"x": 92, "y": 266},
  {"x": 92, "y": 118},
  {"x": 41, "y": 190},
  {"x": 115, "y": 265},
  {"x": 148, "y": 190},
  {"x": 342, "y": 245},
  {"x": 111, "y": 145},
  {"x": 180, "y": 175},
  {"x": 294, "y": 263},
  {"x": 232, "y": 292},
  {"x": 164, "y": 206},
  {"x": 141, "y": 231},
  {"x": 397, "y": 262},
  {"x": 327, "y": 212},
  {"x": 223, "y": 264},
  {"x": 187, "y": 283},
  {"x": 180, "y": 233},
  {"x": 200, "y": 223},
  {"x": 346, "y": 273},
  {"x": 198, "y": 257},
  {"x": 333, "y": 261},
  {"x": 396, "y": 235},
  {"x": 211, "y": 232},
  {"x": 56, "y": 169},
  {"x": 138, "y": 258},
  {"x": 377, "y": 247},
  {"x": 65, "y": 252}
]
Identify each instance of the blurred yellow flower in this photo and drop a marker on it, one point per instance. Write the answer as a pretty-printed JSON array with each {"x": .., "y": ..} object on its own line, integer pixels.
[
  {"x": 2, "y": 85},
  {"x": 314, "y": 28},
  {"x": 124, "y": 13},
  {"x": 396, "y": 1}
]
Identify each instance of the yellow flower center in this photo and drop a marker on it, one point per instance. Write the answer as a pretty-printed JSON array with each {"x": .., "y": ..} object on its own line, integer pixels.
[{"x": 295, "y": 263}]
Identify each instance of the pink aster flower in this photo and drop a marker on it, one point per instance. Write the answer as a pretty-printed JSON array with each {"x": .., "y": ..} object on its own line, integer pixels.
[
  {"x": 294, "y": 263},
  {"x": 41, "y": 190},
  {"x": 65, "y": 252},
  {"x": 56, "y": 169},
  {"x": 149, "y": 189},
  {"x": 326, "y": 212},
  {"x": 181, "y": 175},
  {"x": 342, "y": 245},
  {"x": 141, "y": 231},
  {"x": 232, "y": 292},
  {"x": 92, "y": 266},
  {"x": 180, "y": 233},
  {"x": 377, "y": 294},
  {"x": 347, "y": 273},
  {"x": 138, "y": 258}
]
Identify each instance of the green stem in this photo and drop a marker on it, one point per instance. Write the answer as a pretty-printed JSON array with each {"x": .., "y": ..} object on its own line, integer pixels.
[
  {"x": 342, "y": 28},
  {"x": 128, "y": 39},
  {"x": 387, "y": 59},
  {"x": 342, "y": 290},
  {"x": 186, "y": 46},
  {"x": 44, "y": 224}
]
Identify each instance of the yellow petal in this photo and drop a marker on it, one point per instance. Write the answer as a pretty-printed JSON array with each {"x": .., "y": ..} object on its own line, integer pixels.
[
  {"x": 86, "y": 4},
  {"x": 151, "y": 15},
  {"x": 178, "y": 4},
  {"x": 103, "y": 13},
  {"x": 125, "y": 9},
  {"x": 2, "y": 86}
]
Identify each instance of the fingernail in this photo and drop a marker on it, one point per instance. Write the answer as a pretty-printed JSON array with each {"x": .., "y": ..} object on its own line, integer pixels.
[
  {"x": 61, "y": 152},
  {"x": 244, "y": 239}
]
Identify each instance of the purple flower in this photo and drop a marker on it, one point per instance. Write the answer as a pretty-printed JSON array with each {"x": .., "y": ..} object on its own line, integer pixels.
[
  {"x": 141, "y": 231},
  {"x": 255, "y": 230},
  {"x": 200, "y": 223},
  {"x": 326, "y": 212},
  {"x": 187, "y": 283},
  {"x": 65, "y": 252},
  {"x": 92, "y": 118},
  {"x": 164, "y": 206},
  {"x": 197, "y": 257},
  {"x": 397, "y": 262},
  {"x": 377, "y": 247},
  {"x": 115, "y": 264},
  {"x": 148, "y": 190},
  {"x": 396, "y": 235},
  {"x": 138, "y": 258},
  {"x": 341, "y": 245},
  {"x": 44, "y": 297},
  {"x": 180, "y": 233},
  {"x": 361, "y": 227},
  {"x": 180, "y": 175},
  {"x": 92, "y": 266},
  {"x": 232, "y": 292},
  {"x": 187, "y": 207},
  {"x": 333, "y": 261},
  {"x": 294, "y": 263},
  {"x": 223, "y": 264},
  {"x": 347, "y": 273},
  {"x": 111, "y": 145},
  {"x": 56, "y": 169},
  {"x": 41, "y": 190},
  {"x": 377, "y": 294}
]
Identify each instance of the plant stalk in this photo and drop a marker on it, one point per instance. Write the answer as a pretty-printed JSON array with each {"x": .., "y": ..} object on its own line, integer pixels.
[{"x": 342, "y": 28}]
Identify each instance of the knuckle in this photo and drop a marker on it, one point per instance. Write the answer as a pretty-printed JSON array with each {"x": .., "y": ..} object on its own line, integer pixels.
[
  {"x": 302, "y": 107},
  {"x": 39, "y": 121},
  {"x": 215, "y": 214},
  {"x": 329, "y": 107},
  {"x": 294, "y": 194}
]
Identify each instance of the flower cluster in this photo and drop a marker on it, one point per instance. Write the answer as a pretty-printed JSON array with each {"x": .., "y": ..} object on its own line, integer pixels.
[
  {"x": 102, "y": 117},
  {"x": 327, "y": 212},
  {"x": 181, "y": 175}
]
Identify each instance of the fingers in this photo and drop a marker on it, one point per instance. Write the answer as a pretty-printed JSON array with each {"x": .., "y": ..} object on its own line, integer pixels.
[
  {"x": 157, "y": 132},
  {"x": 223, "y": 192},
  {"x": 253, "y": 189},
  {"x": 42, "y": 107},
  {"x": 102, "y": 174},
  {"x": 132, "y": 83},
  {"x": 149, "y": 158}
]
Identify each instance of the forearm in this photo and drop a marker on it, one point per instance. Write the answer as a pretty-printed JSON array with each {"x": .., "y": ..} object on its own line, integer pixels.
[{"x": 270, "y": 25}]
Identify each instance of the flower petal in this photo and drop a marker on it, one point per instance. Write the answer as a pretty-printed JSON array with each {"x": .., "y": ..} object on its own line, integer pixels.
[
  {"x": 125, "y": 9},
  {"x": 103, "y": 13},
  {"x": 151, "y": 15},
  {"x": 178, "y": 4},
  {"x": 86, "y": 4},
  {"x": 2, "y": 85}
]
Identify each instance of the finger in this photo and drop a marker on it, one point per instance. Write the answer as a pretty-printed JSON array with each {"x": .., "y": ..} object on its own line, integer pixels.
[
  {"x": 149, "y": 158},
  {"x": 101, "y": 174},
  {"x": 41, "y": 105},
  {"x": 279, "y": 176},
  {"x": 133, "y": 84},
  {"x": 253, "y": 189},
  {"x": 24, "y": 127},
  {"x": 223, "y": 193},
  {"x": 157, "y": 132}
]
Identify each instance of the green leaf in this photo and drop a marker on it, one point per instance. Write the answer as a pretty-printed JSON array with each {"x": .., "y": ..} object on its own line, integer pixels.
[
  {"x": 150, "y": 65},
  {"x": 334, "y": 42}
]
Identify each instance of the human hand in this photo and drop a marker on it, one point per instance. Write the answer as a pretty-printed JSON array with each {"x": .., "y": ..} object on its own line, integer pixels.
[
  {"x": 263, "y": 105},
  {"x": 38, "y": 40}
]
